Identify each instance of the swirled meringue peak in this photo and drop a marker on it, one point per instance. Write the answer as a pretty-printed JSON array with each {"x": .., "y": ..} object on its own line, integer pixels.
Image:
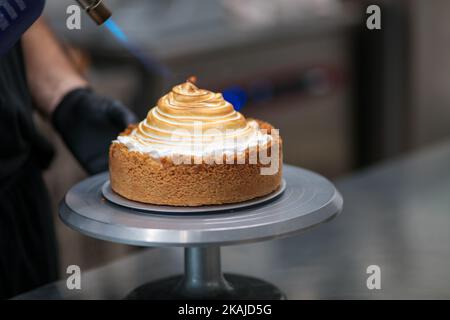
[{"x": 193, "y": 121}]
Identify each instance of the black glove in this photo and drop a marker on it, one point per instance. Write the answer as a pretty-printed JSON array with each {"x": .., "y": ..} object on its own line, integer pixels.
[{"x": 88, "y": 123}]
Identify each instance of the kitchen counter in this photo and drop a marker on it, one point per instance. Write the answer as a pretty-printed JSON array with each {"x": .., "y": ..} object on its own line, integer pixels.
[{"x": 396, "y": 216}]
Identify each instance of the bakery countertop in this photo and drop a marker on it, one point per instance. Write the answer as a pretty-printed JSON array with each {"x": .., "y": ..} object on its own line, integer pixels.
[{"x": 396, "y": 216}]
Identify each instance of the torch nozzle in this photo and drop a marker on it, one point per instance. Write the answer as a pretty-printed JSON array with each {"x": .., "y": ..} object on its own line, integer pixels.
[{"x": 96, "y": 9}]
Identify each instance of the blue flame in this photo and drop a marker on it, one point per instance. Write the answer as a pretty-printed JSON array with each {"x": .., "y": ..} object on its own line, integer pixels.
[
  {"x": 235, "y": 95},
  {"x": 116, "y": 30},
  {"x": 150, "y": 64}
]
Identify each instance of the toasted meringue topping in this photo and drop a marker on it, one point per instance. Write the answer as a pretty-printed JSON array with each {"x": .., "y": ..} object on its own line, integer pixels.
[{"x": 189, "y": 120}]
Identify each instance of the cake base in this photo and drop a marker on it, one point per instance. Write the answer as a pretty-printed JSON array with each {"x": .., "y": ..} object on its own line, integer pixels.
[{"x": 140, "y": 177}]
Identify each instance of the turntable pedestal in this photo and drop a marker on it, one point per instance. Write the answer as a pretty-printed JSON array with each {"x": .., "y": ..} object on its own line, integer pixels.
[{"x": 308, "y": 200}]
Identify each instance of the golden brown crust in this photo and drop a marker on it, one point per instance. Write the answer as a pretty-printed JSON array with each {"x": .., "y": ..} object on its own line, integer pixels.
[{"x": 140, "y": 177}]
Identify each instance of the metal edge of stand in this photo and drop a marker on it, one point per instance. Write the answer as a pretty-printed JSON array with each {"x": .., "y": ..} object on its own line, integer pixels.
[{"x": 121, "y": 234}]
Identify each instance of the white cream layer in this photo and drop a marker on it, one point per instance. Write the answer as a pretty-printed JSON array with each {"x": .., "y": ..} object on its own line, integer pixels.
[{"x": 200, "y": 148}]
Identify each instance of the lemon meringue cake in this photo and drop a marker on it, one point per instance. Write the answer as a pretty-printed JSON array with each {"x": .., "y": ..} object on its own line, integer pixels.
[{"x": 194, "y": 149}]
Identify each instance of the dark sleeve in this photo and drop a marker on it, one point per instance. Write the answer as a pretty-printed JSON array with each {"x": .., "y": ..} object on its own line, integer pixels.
[{"x": 20, "y": 141}]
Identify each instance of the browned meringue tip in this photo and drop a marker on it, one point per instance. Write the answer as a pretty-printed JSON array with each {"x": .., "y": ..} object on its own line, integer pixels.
[{"x": 192, "y": 79}]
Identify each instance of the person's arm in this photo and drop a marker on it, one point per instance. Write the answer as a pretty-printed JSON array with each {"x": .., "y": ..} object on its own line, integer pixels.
[
  {"x": 86, "y": 121},
  {"x": 50, "y": 73}
]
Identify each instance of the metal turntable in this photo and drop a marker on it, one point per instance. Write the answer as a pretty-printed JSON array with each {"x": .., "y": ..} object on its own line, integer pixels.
[{"x": 304, "y": 200}]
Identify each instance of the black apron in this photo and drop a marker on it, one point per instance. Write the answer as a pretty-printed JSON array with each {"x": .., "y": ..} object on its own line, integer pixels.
[{"x": 28, "y": 254}]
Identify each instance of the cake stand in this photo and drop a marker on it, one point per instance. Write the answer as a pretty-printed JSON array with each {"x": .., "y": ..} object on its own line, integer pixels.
[{"x": 308, "y": 200}]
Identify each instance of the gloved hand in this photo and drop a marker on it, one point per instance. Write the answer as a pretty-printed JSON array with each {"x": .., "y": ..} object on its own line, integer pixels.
[{"x": 88, "y": 123}]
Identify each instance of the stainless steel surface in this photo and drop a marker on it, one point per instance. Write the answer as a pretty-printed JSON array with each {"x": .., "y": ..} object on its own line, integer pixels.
[
  {"x": 309, "y": 199},
  {"x": 396, "y": 216},
  {"x": 113, "y": 197}
]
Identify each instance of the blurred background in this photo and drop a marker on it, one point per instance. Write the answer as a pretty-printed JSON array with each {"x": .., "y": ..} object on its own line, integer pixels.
[{"x": 344, "y": 97}]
